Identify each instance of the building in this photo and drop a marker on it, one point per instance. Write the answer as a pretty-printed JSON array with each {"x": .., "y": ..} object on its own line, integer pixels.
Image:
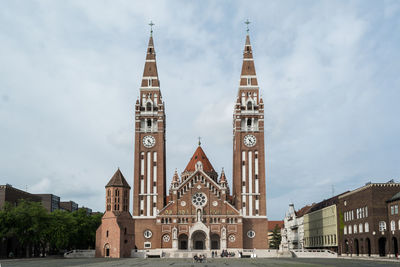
[
  {"x": 199, "y": 213},
  {"x": 321, "y": 225},
  {"x": 394, "y": 222},
  {"x": 68, "y": 206},
  {"x": 364, "y": 228},
  {"x": 117, "y": 226},
  {"x": 14, "y": 195},
  {"x": 271, "y": 227},
  {"x": 50, "y": 202},
  {"x": 293, "y": 231}
]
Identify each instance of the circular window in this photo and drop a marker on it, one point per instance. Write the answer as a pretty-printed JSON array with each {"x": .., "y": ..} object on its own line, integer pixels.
[
  {"x": 183, "y": 203},
  {"x": 147, "y": 234},
  {"x": 232, "y": 238},
  {"x": 251, "y": 234},
  {"x": 215, "y": 203},
  {"x": 166, "y": 238},
  {"x": 199, "y": 199}
]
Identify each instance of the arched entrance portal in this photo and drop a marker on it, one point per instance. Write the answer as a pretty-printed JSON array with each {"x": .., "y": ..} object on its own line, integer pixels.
[
  {"x": 215, "y": 241},
  {"x": 395, "y": 246},
  {"x": 183, "y": 241},
  {"x": 107, "y": 250},
  {"x": 382, "y": 246},
  {"x": 357, "y": 247},
  {"x": 368, "y": 245},
  {"x": 199, "y": 240}
]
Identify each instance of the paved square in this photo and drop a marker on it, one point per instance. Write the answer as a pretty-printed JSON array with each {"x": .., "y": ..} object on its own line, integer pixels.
[{"x": 187, "y": 262}]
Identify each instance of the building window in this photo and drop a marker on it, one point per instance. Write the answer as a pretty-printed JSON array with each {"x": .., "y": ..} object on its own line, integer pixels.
[
  {"x": 392, "y": 225},
  {"x": 166, "y": 238},
  {"x": 350, "y": 230},
  {"x": 398, "y": 224},
  {"x": 147, "y": 244},
  {"x": 345, "y": 230},
  {"x": 391, "y": 210},
  {"x": 147, "y": 233},
  {"x": 366, "y": 227},
  {"x": 355, "y": 228},
  {"x": 251, "y": 234},
  {"x": 360, "y": 228},
  {"x": 107, "y": 233},
  {"x": 396, "y": 209},
  {"x": 382, "y": 226}
]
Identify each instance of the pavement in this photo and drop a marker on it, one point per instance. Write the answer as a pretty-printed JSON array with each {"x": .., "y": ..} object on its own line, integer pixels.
[{"x": 298, "y": 262}]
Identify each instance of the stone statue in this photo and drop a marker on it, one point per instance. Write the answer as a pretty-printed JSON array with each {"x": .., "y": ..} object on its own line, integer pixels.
[
  {"x": 174, "y": 233},
  {"x": 223, "y": 232}
]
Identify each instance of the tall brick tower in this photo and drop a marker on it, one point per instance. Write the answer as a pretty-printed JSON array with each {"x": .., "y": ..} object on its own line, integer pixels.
[
  {"x": 149, "y": 172},
  {"x": 248, "y": 142}
]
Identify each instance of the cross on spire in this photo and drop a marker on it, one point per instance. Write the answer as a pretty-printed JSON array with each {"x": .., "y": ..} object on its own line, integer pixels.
[
  {"x": 151, "y": 27},
  {"x": 199, "y": 140},
  {"x": 247, "y": 22}
]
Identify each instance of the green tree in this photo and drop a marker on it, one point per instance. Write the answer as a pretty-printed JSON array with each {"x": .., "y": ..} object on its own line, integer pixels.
[
  {"x": 276, "y": 238},
  {"x": 61, "y": 229},
  {"x": 31, "y": 221}
]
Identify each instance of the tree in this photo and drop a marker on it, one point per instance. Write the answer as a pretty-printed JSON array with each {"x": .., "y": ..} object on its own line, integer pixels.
[{"x": 276, "y": 238}]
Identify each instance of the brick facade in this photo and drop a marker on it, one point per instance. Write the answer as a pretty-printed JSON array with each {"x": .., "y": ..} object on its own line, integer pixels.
[
  {"x": 364, "y": 228},
  {"x": 199, "y": 213}
]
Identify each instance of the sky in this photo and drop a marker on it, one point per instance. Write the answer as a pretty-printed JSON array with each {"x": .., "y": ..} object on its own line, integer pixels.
[{"x": 328, "y": 72}]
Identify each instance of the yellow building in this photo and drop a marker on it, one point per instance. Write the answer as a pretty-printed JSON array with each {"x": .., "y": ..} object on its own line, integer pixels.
[{"x": 320, "y": 226}]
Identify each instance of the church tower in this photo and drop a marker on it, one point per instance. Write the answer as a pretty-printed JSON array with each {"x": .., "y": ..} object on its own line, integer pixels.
[
  {"x": 248, "y": 142},
  {"x": 115, "y": 235},
  {"x": 149, "y": 173}
]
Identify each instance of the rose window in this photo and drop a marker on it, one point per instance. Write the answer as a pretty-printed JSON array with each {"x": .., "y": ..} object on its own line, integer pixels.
[
  {"x": 166, "y": 238},
  {"x": 232, "y": 238},
  {"x": 199, "y": 199},
  {"x": 147, "y": 234},
  {"x": 251, "y": 234}
]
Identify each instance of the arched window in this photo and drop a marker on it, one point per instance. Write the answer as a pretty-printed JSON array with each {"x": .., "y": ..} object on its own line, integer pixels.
[
  {"x": 345, "y": 230},
  {"x": 360, "y": 228},
  {"x": 248, "y": 122},
  {"x": 108, "y": 192},
  {"x": 355, "y": 228},
  {"x": 366, "y": 227},
  {"x": 148, "y": 123},
  {"x": 392, "y": 225},
  {"x": 382, "y": 226},
  {"x": 249, "y": 105},
  {"x": 148, "y": 106}
]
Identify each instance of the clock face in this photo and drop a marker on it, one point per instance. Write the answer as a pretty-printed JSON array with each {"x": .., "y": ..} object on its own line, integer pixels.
[
  {"x": 149, "y": 141},
  {"x": 250, "y": 140}
]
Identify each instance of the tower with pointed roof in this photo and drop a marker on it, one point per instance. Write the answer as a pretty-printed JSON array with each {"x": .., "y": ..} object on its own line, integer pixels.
[
  {"x": 248, "y": 142},
  {"x": 115, "y": 235},
  {"x": 149, "y": 172}
]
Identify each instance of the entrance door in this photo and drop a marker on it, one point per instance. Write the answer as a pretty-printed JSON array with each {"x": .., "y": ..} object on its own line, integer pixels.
[
  {"x": 395, "y": 246},
  {"x": 214, "y": 241},
  {"x": 183, "y": 241},
  {"x": 107, "y": 250},
  {"x": 382, "y": 246},
  {"x": 357, "y": 248},
  {"x": 199, "y": 240},
  {"x": 368, "y": 246}
]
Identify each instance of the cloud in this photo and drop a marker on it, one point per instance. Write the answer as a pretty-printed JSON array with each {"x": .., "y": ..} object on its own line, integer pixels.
[{"x": 70, "y": 74}]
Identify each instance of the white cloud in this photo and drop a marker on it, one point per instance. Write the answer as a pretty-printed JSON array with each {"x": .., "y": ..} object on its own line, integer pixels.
[{"x": 70, "y": 73}]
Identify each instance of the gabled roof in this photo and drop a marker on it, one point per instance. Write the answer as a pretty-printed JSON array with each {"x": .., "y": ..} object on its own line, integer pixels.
[
  {"x": 395, "y": 197},
  {"x": 118, "y": 180},
  {"x": 304, "y": 210},
  {"x": 272, "y": 224},
  {"x": 199, "y": 155}
]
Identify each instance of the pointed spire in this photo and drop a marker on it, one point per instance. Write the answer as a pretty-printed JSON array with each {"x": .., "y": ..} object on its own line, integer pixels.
[
  {"x": 118, "y": 180},
  {"x": 222, "y": 179},
  {"x": 175, "y": 178},
  {"x": 150, "y": 73}
]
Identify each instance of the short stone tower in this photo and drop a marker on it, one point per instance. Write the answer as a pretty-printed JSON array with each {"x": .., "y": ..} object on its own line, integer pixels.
[{"x": 115, "y": 235}]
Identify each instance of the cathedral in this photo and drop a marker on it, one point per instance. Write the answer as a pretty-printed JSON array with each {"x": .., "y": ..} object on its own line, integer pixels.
[{"x": 198, "y": 212}]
